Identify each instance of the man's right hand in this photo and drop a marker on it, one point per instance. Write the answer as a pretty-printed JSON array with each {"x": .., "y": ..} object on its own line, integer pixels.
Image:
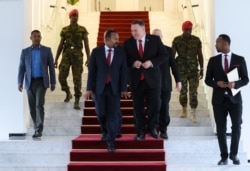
[
  {"x": 222, "y": 84},
  {"x": 55, "y": 63},
  {"x": 88, "y": 95},
  {"x": 137, "y": 64},
  {"x": 20, "y": 88}
]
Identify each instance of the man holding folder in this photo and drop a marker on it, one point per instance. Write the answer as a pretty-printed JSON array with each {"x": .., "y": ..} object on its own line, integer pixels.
[{"x": 223, "y": 101}]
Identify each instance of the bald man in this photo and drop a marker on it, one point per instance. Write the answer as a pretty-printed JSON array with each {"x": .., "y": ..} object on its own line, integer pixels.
[{"x": 166, "y": 87}]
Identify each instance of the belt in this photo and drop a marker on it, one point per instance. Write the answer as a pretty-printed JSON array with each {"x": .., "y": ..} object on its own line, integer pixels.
[
  {"x": 72, "y": 48},
  {"x": 36, "y": 78}
]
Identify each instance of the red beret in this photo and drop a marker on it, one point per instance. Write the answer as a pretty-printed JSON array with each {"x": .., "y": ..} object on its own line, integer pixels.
[
  {"x": 73, "y": 12},
  {"x": 187, "y": 25}
]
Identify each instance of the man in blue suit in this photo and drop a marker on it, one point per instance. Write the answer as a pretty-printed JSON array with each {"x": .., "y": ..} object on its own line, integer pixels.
[
  {"x": 107, "y": 80},
  {"x": 223, "y": 101},
  {"x": 35, "y": 61}
]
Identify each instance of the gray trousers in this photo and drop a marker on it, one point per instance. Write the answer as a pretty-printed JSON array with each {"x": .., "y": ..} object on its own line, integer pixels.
[{"x": 36, "y": 99}]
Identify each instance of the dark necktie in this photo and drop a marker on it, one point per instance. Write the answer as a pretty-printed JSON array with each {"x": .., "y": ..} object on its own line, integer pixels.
[
  {"x": 140, "y": 48},
  {"x": 108, "y": 64},
  {"x": 226, "y": 64},
  {"x": 141, "y": 55}
]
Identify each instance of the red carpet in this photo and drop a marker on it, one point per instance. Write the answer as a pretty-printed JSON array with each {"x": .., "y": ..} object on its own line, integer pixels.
[{"x": 90, "y": 154}]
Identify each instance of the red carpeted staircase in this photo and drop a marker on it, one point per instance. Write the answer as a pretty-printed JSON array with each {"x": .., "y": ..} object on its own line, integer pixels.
[
  {"x": 89, "y": 153},
  {"x": 121, "y": 22}
]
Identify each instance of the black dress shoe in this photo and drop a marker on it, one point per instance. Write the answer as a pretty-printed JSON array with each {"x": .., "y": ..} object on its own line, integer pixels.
[
  {"x": 103, "y": 138},
  {"x": 118, "y": 135},
  {"x": 37, "y": 135},
  {"x": 154, "y": 133},
  {"x": 139, "y": 137},
  {"x": 235, "y": 160},
  {"x": 164, "y": 135},
  {"x": 111, "y": 149},
  {"x": 223, "y": 162}
]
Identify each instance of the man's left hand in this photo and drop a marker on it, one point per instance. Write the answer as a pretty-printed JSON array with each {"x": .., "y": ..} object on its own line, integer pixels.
[
  {"x": 201, "y": 74},
  {"x": 147, "y": 64},
  {"x": 87, "y": 63},
  {"x": 125, "y": 95}
]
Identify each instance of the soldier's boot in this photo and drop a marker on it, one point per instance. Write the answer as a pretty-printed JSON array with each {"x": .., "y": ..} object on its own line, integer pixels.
[
  {"x": 183, "y": 113},
  {"x": 193, "y": 115},
  {"x": 76, "y": 104},
  {"x": 68, "y": 96}
]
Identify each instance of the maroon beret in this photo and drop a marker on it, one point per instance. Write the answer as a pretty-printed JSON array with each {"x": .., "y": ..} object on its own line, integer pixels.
[
  {"x": 187, "y": 25},
  {"x": 73, "y": 12}
]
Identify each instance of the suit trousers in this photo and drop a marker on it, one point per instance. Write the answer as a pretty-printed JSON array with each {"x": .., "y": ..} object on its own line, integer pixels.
[
  {"x": 36, "y": 100},
  {"x": 164, "y": 118},
  {"x": 143, "y": 96},
  {"x": 221, "y": 112},
  {"x": 108, "y": 113}
]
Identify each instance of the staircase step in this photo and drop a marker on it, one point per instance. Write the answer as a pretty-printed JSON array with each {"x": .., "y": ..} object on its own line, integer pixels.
[
  {"x": 48, "y": 144},
  {"x": 124, "y": 13},
  {"x": 117, "y": 166},
  {"x": 95, "y": 129},
  {"x": 93, "y": 120},
  {"x": 198, "y": 144},
  {"x": 208, "y": 167},
  {"x": 200, "y": 159},
  {"x": 92, "y": 141},
  {"x": 190, "y": 131},
  {"x": 174, "y": 121},
  {"x": 128, "y": 111},
  {"x": 57, "y": 131},
  {"x": 39, "y": 159},
  {"x": 119, "y": 155}
]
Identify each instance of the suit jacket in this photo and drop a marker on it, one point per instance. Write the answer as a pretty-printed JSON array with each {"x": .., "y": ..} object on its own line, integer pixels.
[
  {"x": 153, "y": 51},
  {"x": 47, "y": 64},
  {"x": 98, "y": 69},
  {"x": 165, "y": 71},
  {"x": 215, "y": 72}
]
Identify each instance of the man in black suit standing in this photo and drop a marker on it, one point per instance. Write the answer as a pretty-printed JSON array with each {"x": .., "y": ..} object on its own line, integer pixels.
[
  {"x": 145, "y": 53},
  {"x": 107, "y": 79},
  {"x": 223, "y": 101},
  {"x": 166, "y": 87}
]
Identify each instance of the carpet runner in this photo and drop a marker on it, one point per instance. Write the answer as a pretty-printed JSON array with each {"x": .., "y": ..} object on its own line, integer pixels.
[{"x": 88, "y": 152}]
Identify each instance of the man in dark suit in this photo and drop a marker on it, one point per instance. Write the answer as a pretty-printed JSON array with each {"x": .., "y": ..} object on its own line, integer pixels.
[
  {"x": 145, "y": 53},
  {"x": 166, "y": 87},
  {"x": 107, "y": 80},
  {"x": 35, "y": 62},
  {"x": 223, "y": 101}
]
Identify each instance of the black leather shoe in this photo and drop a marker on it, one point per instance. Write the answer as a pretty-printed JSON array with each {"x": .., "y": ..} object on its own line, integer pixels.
[
  {"x": 235, "y": 160},
  {"x": 103, "y": 138},
  {"x": 37, "y": 135},
  {"x": 139, "y": 137},
  {"x": 223, "y": 162},
  {"x": 154, "y": 133},
  {"x": 164, "y": 135},
  {"x": 111, "y": 149},
  {"x": 118, "y": 136}
]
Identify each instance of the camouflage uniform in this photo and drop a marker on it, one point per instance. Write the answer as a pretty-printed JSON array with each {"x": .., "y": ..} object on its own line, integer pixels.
[
  {"x": 187, "y": 62},
  {"x": 72, "y": 56}
]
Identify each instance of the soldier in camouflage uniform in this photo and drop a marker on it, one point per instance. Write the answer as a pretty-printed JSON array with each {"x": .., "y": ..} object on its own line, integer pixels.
[
  {"x": 189, "y": 55},
  {"x": 72, "y": 56}
]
